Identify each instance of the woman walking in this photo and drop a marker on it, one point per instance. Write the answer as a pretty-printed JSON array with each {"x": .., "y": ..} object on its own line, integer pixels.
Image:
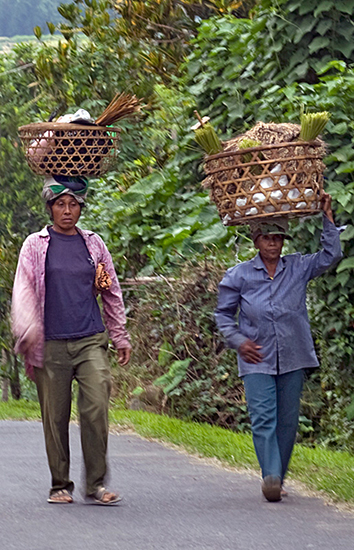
[
  {"x": 58, "y": 327},
  {"x": 272, "y": 336}
]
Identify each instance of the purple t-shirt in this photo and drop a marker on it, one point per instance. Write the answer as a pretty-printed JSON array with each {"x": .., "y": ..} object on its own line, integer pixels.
[{"x": 71, "y": 309}]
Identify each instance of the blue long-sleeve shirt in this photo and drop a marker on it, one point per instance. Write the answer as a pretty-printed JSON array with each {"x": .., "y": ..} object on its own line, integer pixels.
[{"x": 272, "y": 312}]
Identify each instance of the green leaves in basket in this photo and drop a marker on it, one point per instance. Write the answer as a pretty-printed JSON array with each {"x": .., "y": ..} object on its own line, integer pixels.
[
  {"x": 247, "y": 157},
  {"x": 206, "y": 137},
  {"x": 312, "y": 124},
  {"x": 245, "y": 144}
]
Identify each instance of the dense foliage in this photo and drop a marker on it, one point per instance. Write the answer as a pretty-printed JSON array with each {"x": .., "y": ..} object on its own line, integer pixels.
[
  {"x": 290, "y": 56},
  {"x": 180, "y": 350},
  {"x": 21, "y": 210},
  {"x": 152, "y": 211}
]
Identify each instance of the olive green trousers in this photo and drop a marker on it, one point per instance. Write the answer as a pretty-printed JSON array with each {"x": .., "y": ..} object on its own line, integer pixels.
[{"x": 85, "y": 360}]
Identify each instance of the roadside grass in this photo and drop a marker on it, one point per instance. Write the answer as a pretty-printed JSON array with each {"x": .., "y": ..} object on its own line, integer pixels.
[
  {"x": 202, "y": 439},
  {"x": 19, "y": 410},
  {"x": 329, "y": 471},
  {"x": 320, "y": 469}
]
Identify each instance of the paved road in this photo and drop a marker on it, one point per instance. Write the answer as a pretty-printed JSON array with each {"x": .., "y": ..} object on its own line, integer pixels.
[{"x": 171, "y": 501}]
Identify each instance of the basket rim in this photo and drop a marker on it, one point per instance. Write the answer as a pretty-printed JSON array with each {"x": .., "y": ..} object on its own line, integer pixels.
[
  {"x": 290, "y": 214},
  {"x": 66, "y": 126},
  {"x": 262, "y": 148},
  {"x": 257, "y": 163}
]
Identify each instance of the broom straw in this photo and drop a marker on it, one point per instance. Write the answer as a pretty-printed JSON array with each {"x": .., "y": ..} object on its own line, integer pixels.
[{"x": 123, "y": 105}]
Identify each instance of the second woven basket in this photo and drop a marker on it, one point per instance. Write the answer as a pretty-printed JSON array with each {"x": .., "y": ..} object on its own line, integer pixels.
[{"x": 283, "y": 179}]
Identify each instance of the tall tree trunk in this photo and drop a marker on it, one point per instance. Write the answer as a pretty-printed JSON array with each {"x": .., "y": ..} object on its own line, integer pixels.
[
  {"x": 15, "y": 384},
  {"x": 4, "y": 381},
  {"x": 5, "y": 389}
]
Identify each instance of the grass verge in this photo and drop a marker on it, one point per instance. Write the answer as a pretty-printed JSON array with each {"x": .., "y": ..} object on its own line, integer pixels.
[
  {"x": 19, "y": 410},
  {"x": 328, "y": 471}
]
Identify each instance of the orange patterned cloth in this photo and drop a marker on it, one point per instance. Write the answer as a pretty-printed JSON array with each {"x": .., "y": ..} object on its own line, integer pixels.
[{"x": 102, "y": 279}]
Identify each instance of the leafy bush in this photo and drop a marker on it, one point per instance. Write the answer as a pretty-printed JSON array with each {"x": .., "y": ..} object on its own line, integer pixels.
[
  {"x": 176, "y": 345},
  {"x": 295, "y": 55},
  {"x": 152, "y": 212}
]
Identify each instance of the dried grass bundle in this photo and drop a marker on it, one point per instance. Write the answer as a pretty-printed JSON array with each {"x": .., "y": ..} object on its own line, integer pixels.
[
  {"x": 271, "y": 133},
  {"x": 122, "y": 106}
]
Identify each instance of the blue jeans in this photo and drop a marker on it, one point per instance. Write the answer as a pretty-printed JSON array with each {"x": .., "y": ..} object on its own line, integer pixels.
[{"x": 273, "y": 403}]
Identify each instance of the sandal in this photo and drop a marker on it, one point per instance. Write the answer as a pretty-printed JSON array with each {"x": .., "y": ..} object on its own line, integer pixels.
[
  {"x": 98, "y": 497},
  {"x": 61, "y": 496},
  {"x": 283, "y": 492}
]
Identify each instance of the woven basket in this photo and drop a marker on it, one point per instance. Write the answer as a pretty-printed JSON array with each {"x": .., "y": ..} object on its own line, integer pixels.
[
  {"x": 278, "y": 180},
  {"x": 69, "y": 149}
]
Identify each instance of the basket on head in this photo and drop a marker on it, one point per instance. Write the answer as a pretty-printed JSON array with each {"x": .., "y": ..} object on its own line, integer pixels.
[
  {"x": 69, "y": 149},
  {"x": 267, "y": 181}
]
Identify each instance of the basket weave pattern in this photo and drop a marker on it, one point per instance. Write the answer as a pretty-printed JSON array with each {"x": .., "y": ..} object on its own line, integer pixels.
[
  {"x": 68, "y": 149},
  {"x": 266, "y": 181}
]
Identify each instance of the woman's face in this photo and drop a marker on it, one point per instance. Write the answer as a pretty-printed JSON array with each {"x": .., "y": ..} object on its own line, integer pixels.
[
  {"x": 66, "y": 213},
  {"x": 270, "y": 247}
]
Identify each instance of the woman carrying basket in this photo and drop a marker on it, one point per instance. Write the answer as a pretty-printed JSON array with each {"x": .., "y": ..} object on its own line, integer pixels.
[
  {"x": 58, "y": 327},
  {"x": 272, "y": 336}
]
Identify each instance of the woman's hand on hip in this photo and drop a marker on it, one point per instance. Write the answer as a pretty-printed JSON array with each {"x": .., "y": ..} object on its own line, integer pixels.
[
  {"x": 249, "y": 352},
  {"x": 123, "y": 356}
]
